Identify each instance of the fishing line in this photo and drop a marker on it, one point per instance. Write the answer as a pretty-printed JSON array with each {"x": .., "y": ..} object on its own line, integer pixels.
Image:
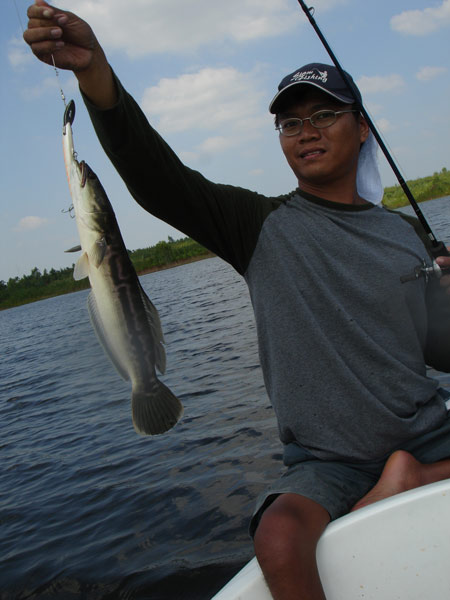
[
  {"x": 438, "y": 248},
  {"x": 59, "y": 82},
  {"x": 53, "y": 58},
  {"x": 18, "y": 16}
]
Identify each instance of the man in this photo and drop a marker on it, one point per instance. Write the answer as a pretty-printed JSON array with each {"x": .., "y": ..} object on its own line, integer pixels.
[{"x": 324, "y": 268}]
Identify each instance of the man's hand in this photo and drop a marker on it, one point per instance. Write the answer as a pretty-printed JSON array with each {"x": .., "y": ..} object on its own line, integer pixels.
[
  {"x": 52, "y": 31},
  {"x": 444, "y": 263},
  {"x": 73, "y": 45}
]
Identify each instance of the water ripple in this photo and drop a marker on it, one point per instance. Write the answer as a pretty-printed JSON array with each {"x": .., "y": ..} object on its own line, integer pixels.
[{"x": 90, "y": 510}]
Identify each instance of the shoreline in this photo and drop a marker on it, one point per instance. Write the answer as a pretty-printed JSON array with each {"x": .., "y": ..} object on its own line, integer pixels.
[
  {"x": 176, "y": 263},
  {"x": 171, "y": 265}
]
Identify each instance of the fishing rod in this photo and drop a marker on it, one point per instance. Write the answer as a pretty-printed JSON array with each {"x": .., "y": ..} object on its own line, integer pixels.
[{"x": 438, "y": 248}]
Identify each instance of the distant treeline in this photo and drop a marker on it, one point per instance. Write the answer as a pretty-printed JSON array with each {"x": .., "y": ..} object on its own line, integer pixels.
[
  {"x": 425, "y": 188},
  {"x": 37, "y": 285}
]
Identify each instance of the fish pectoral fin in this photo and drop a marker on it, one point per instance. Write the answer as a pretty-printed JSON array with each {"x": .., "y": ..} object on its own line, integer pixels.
[
  {"x": 81, "y": 269},
  {"x": 74, "y": 249},
  {"x": 98, "y": 251},
  {"x": 104, "y": 339},
  {"x": 156, "y": 331},
  {"x": 155, "y": 410}
]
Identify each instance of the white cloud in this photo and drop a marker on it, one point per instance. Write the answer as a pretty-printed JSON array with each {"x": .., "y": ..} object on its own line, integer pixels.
[
  {"x": 30, "y": 223},
  {"x": 380, "y": 83},
  {"x": 18, "y": 53},
  {"x": 328, "y": 4},
  {"x": 224, "y": 101},
  {"x": 50, "y": 84},
  {"x": 429, "y": 73},
  {"x": 216, "y": 144},
  {"x": 384, "y": 125},
  {"x": 203, "y": 152},
  {"x": 422, "y": 22},
  {"x": 374, "y": 108},
  {"x": 144, "y": 27},
  {"x": 204, "y": 100}
]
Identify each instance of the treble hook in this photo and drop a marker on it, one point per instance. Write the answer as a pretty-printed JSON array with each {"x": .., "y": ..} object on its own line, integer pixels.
[{"x": 69, "y": 210}]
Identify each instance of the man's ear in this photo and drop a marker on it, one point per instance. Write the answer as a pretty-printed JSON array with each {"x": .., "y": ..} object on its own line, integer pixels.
[{"x": 364, "y": 129}]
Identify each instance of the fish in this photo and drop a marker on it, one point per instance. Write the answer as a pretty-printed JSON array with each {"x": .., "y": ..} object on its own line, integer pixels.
[{"x": 126, "y": 322}]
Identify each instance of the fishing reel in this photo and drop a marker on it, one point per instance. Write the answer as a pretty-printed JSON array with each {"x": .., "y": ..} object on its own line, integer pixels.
[{"x": 423, "y": 270}]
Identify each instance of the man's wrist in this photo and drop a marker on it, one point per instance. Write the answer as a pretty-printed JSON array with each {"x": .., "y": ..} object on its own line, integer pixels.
[{"x": 97, "y": 82}]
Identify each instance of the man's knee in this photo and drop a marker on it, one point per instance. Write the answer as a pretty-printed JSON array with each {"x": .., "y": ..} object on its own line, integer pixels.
[{"x": 289, "y": 528}]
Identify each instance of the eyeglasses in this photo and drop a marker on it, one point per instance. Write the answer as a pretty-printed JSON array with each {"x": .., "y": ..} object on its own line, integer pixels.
[{"x": 320, "y": 120}]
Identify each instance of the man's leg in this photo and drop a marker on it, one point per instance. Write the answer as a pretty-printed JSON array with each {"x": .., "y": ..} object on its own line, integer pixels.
[
  {"x": 285, "y": 546},
  {"x": 403, "y": 472}
]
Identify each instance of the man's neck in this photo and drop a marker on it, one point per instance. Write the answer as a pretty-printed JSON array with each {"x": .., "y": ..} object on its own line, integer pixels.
[{"x": 341, "y": 194}]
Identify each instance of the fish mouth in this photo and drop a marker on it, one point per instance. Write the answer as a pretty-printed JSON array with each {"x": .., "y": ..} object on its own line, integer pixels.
[
  {"x": 85, "y": 172},
  {"x": 81, "y": 169}
]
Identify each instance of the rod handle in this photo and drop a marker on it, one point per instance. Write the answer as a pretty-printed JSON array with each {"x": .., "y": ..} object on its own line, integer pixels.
[{"x": 440, "y": 249}]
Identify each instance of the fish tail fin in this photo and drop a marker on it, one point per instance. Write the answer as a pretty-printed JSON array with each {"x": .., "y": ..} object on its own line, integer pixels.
[{"x": 156, "y": 410}]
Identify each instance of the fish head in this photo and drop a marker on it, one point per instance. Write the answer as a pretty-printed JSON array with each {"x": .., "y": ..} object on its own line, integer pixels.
[{"x": 92, "y": 204}]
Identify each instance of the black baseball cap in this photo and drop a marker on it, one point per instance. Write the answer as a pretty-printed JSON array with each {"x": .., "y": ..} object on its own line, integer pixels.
[{"x": 319, "y": 75}]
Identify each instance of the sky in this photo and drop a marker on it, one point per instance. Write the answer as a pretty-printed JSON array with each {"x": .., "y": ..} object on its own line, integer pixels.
[{"x": 204, "y": 72}]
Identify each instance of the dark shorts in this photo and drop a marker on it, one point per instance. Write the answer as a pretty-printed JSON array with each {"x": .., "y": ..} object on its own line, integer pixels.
[{"x": 336, "y": 485}]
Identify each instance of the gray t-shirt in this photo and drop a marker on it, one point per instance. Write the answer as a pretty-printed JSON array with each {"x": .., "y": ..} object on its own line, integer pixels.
[{"x": 341, "y": 338}]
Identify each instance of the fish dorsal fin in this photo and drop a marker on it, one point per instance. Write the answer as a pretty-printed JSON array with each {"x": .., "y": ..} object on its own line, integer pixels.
[
  {"x": 81, "y": 269},
  {"x": 156, "y": 331},
  {"x": 74, "y": 249},
  {"x": 103, "y": 337},
  {"x": 97, "y": 252}
]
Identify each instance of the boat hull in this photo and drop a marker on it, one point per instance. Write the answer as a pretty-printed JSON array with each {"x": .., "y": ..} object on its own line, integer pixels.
[{"x": 396, "y": 548}]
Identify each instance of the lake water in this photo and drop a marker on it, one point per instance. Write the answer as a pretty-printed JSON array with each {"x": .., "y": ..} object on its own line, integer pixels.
[
  {"x": 90, "y": 510},
  {"x": 437, "y": 213}
]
